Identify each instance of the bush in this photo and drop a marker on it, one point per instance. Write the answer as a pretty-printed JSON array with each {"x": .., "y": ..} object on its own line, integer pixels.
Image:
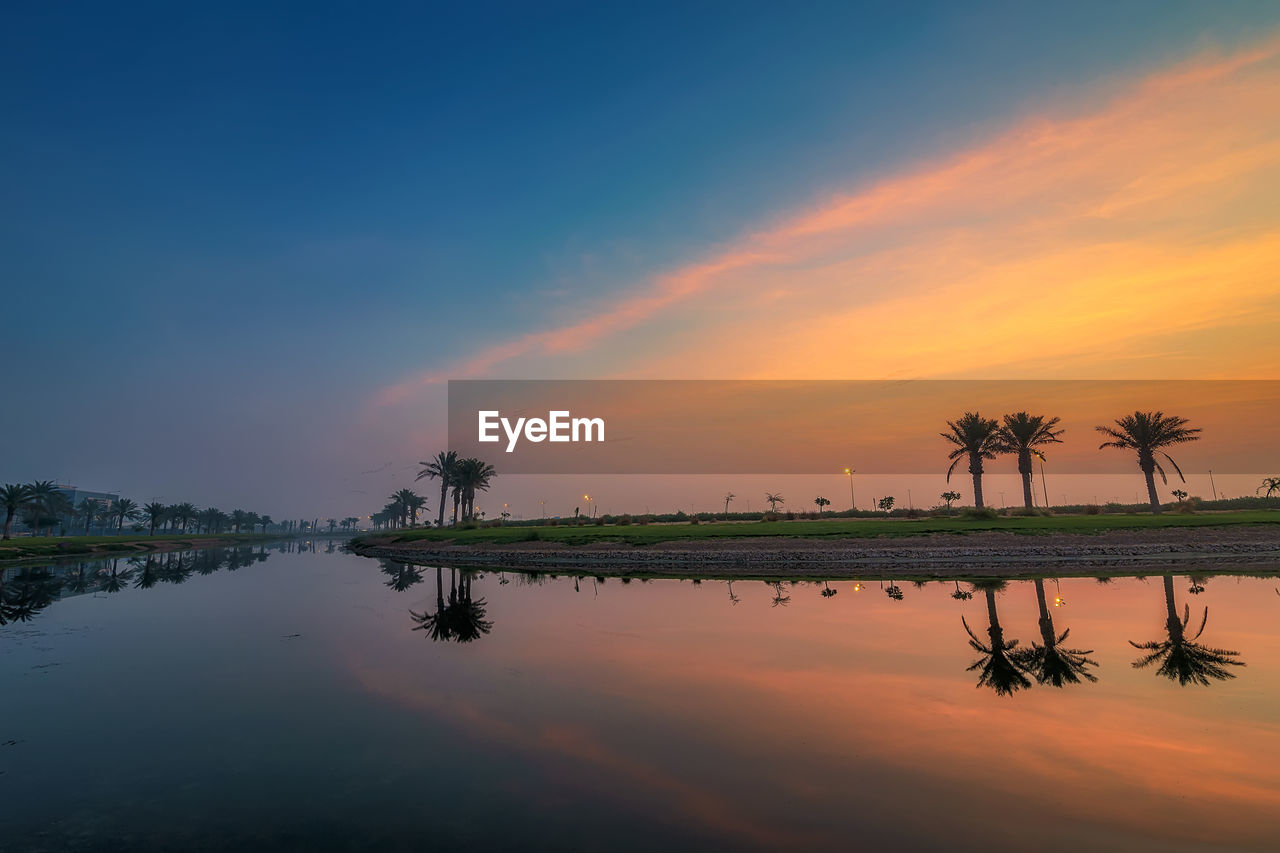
[
  {"x": 1092, "y": 509},
  {"x": 975, "y": 514},
  {"x": 693, "y": 519},
  {"x": 623, "y": 520},
  {"x": 643, "y": 520},
  {"x": 1184, "y": 509},
  {"x": 1029, "y": 512},
  {"x": 599, "y": 522},
  {"x": 769, "y": 516}
]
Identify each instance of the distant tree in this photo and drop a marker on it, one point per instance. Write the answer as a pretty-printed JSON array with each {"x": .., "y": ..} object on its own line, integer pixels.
[
  {"x": 949, "y": 498},
  {"x": 13, "y": 497},
  {"x": 89, "y": 510},
  {"x": 331, "y": 522},
  {"x": 821, "y": 502},
  {"x": 773, "y": 500},
  {"x": 154, "y": 513},
  {"x": 1180, "y": 494},
  {"x": 1021, "y": 434},
  {"x": 1147, "y": 433},
  {"x": 473, "y": 475},
  {"x": 1271, "y": 484},
  {"x": 975, "y": 438},
  {"x": 885, "y": 504},
  {"x": 728, "y": 499},
  {"x": 443, "y": 467},
  {"x": 266, "y": 521},
  {"x": 239, "y": 519},
  {"x": 122, "y": 510}
]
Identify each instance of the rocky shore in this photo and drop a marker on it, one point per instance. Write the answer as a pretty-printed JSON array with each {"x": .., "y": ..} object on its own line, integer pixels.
[{"x": 1247, "y": 549}]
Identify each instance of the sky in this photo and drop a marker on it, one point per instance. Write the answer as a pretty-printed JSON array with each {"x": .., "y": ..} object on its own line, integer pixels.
[{"x": 245, "y": 245}]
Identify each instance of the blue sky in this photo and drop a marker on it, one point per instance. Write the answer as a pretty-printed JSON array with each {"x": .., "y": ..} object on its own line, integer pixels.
[{"x": 224, "y": 224}]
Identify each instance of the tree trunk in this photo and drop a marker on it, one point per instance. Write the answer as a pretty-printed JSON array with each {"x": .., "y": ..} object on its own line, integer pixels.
[
  {"x": 8, "y": 524},
  {"x": 1046, "y": 621},
  {"x": 975, "y": 468},
  {"x": 444, "y": 498},
  {"x": 1151, "y": 492},
  {"x": 1024, "y": 468}
]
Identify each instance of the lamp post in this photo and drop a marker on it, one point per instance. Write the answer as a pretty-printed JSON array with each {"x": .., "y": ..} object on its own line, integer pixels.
[
  {"x": 1213, "y": 485},
  {"x": 591, "y": 509},
  {"x": 1044, "y": 484},
  {"x": 853, "y": 505}
]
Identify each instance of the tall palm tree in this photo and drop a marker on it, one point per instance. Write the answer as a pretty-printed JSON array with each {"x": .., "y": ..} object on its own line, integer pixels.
[
  {"x": 728, "y": 499},
  {"x": 184, "y": 513},
  {"x": 443, "y": 468},
  {"x": 1181, "y": 658},
  {"x": 13, "y": 497},
  {"x": 1022, "y": 434},
  {"x": 154, "y": 513},
  {"x": 1147, "y": 433},
  {"x": 1000, "y": 666},
  {"x": 773, "y": 500},
  {"x": 123, "y": 509},
  {"x": 266, "y": 521},
  {"x": 975, "y": 438},
  {"x": 89, "y": 510},
  {"x": 473, "y": 476},
  {"x": 43, "y": 494},
  {"x": 1050, "y": 662}
]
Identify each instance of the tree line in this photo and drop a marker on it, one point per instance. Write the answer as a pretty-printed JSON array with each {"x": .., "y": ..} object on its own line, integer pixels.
[
  {"x": 461, "y": 477},
  {"x": 41, "y": 506}
]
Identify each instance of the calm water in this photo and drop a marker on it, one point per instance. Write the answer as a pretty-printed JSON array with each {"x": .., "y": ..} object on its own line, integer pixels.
[{"x": 310, "y": 699}]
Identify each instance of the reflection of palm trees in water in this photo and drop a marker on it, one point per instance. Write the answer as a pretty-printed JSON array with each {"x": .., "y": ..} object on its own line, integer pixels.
[
  {"x": 892, "y": 590},
  {"x": 998, "y": 667},
  {"x": 1180, "y": 657},
  {"x": 733, "y": 599},
  {"x": 27, "y": 593},
  {"x": 461, "y": 618},
  {"x": 115, "y": 580},
  {"x": 149, "y": 576},
  {"x": 400, "y": 576},
  {"x": 827, "y": 591},
  {"x": 1050, "y": 663},
  {"x": 780, "y": 598},
  {"x": 961, "y": 594}
]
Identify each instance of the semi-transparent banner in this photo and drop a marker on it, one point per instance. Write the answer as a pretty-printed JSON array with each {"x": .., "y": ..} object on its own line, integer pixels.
[{"x": 820, "y": 427}]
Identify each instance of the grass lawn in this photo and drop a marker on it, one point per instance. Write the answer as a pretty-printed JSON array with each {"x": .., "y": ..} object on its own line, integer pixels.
[
  {"x": 838, "y": 528},
  {"x": 23, "y": 547}
]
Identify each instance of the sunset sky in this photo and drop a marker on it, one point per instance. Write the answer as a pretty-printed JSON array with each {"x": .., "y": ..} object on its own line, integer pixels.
[{"x": 244, "y": 250}]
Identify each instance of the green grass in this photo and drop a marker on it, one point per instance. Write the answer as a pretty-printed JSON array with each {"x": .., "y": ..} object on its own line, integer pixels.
[
  {"x": 838, "y": 528},
  {"x": 26, "y": 547}
]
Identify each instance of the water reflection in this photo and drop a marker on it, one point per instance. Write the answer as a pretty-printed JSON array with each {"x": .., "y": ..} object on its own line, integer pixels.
[
  {"x": 27, "y": 590},
  {"x": 1180, "y": 657},
  {"x": 461, "y": 619},
  {"x": 999, "y": 667},
  {"x": 1048, "y": 660}
]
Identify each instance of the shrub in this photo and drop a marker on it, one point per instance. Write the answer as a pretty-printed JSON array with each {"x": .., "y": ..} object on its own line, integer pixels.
[
  {"x": 693, "y": 519},
  {"x": 769, "y": 516},
  {"x": 975, "y": 514},
  {"x": 1029, "y": 512},
  {"x": 791, "y": 516},
  {"x": 599, "y": 522},
  {"x": 623, "y": 520},
  {"x": 553, "y": 522},
  {"x": 643, "y": 520},
  {"x": 1092, "y": 509},
  {"x": 1184, "y": 509}
]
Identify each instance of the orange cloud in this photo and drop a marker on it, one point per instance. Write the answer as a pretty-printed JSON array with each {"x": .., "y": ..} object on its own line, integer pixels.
[{"x": 1086, "y": 246}]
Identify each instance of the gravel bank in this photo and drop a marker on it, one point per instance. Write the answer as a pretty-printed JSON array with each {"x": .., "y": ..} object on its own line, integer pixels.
[{"x": 1248, "y": 549}]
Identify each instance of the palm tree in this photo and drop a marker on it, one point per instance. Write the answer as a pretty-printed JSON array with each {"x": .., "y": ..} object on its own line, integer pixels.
[
  {"x": 1148, "y": 432},
  {"x": 1271, "y": 484},
  {"x": 239, "y": 519},
  {"x": 1021, "y": 434},
  {"x": 473, "y": 475},
  {"x": 14, "y": 497},
  {"x": 821, "y": 502},
  {"x": 266, "y": 521},
  {"x": 88, "y": 510},
  {"x": 728, "y": 499},
  {"x": 40, "y": 505},
  {"x": 443, "y": 468},
  {"x": 411, "y": 504},
  {"x": 1050, "y": 663},
  {"x": 773, "y": 500},
  {"x": 1001, "y": 669},
  {"x": 123, "y": 509},
  {"x": 975, "y": 438},
  {"x": 1181, "y": 658},
  {"x": 154, "y": 513},
  {"x": 185, "y": 512}
]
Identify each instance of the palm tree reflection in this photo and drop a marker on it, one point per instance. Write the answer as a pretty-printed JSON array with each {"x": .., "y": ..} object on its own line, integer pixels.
[
  {"x": 998, "y": 667},
  {"x": 27, "y": 593},
  {"x": 1180, "y": 657},
  {"x": 1051, "y": 663},
  {"x": 461, "y": 618},
  {"x": 400, "y": 576}
]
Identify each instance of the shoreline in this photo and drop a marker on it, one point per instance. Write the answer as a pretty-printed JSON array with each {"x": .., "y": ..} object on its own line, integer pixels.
[
  {"x": 13, "y": 552},
  {"x": 941, "y": 555}
]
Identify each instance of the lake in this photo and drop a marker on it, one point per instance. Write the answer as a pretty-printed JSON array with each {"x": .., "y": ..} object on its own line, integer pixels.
[{"x": 294, "y": 696}]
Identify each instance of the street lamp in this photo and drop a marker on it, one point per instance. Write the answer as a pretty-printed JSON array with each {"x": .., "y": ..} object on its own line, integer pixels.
[
  {"x": 590, "y": 507},
  {"x": 852, "y": 503},
  {"x": 1044, "y": 484}
]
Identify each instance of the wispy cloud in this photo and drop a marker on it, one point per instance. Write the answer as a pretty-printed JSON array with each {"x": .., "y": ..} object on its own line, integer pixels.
[{"x": 1078, "y": 239}]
